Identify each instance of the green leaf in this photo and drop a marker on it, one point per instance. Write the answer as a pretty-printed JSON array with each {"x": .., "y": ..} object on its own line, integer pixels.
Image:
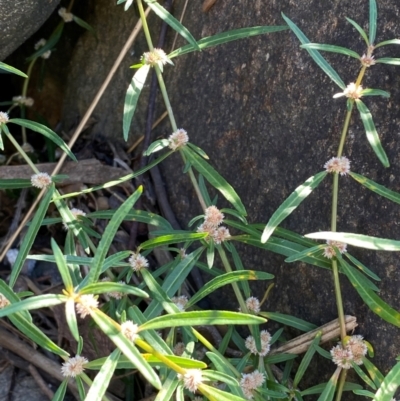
[
  {"x": 132, "y": 97},
  {"x": 379, "y": 189},
  {"x": 210, "y": 254},
  {"x": 388, "y": 42},
  {"x": 388, "y": 60},
  {"x": 322, "y": 63},
  {"x": 31, "y": 235},
  {"x": 373, "y": 15},
  {"x": 225, "y": 279},
  {"x": 62, "y": 266},
  {"x": 329, "y": 391},
  {"x": 320, "y": 387},
  {"x": 213, "y": 394},
  {"x": 375, "y": 303},
  {"x": 270, "y": 394},
  {"x": 70, "y": 316},
  {"x": 220, "y": 376},
  {"x": 61, "y": 391},
  {"x": 363, "y": 268},
  {"x": 45, "y": 131},
  {"x": 289, "y": 320},
  {"x": 172, "y": 22},
  {"x": 198, "y": 318},
  {"x": 279, "y": 358},
  {"x": 99, "y": 386},
  {"x": 226, "y": 37},
  {"x": 108, "y": 236},
  {"x": 101, "y": 288},
  {"x": 8, "y": 68},
  {"x": 331, "y": 48},
  {"x": 51, "y": 42},
  {"x": 370, "y": 130},
  {"x": 168, "y": 388},
  {"x": 375, "y": 92},
  {"x": 364, "y": 393},
  {"x": 171, "y": 239},
  {"x": 291, "y": 203},
  {"x": 156, "y": 146},
  {"x": 199, "y": 151},
  {"x": 363, "y": 376},
  {"x": 111, "y": 329},
  {"x": 373, "y": 372},
  {"x": 304, "y": 254},
  {"x": 213, "y": 177},
  {"x": 360, "y": 30},
  {"x": 389, "y": 385},
  {"x": 15, "y": 183},
  {"x": 85, "y": 25},
  {"x": 40, "y": 301},
  {"x": 362, "y": 241}
]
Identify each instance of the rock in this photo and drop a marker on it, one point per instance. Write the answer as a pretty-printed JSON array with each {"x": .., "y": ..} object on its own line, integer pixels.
[{"x": 19, "y": 20}]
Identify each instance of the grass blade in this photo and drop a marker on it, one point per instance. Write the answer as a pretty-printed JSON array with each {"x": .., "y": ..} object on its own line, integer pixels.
[
  {"x": 360, "y": 30},
  {"x": 388, "y": 60},
  {"x": 15, "y": 183},
  {"x": 226, "y": 37},
  {"x": 132, "y": 97},
  {"x": 291, "y": 203},
  {"x": 329, "y": 391},
  {"x": 388, "y": 42},
  {"x": 322, "y": 63},
  {"x": 289, "y": 320},
  {"x": 101, "y": 288},
  {"x": 62, "y": 266},
  {"x": 332, "y": 49},
  {"x": 372, "y": 135},
  {"x": 375, "y": 92},
  {"x": 373, "y": 15},
  {"x": 306, "y": 253},
  {"x": 8, "y": 68},
  {"x": 70, "y": 316},
  {"x": 389, "y": 385},
  {"x": 171, "y": 239}
]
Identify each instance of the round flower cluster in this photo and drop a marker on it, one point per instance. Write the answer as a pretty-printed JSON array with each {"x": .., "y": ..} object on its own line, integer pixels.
[
  {"x": 339, "y": 165},
  {"x": 212, "y": 219},
  {"x": 23, "y": 101},
  {"x": 76, "y": 213},
  {"x": 40, "y": 180},
  {"x": 352, "y": 91},
  {"x": 179, "y": 349},
  {"x": 3, "y": 301},
  {"x": 3, "y": 117},
  {"x": 40, "y": 44},
  {"x": 329, "y": 251},
  {"x": 178, "y": 139},
  {"x": 65, "y": 15},
  {"x": 74, "y": 366},
  {"x": 138, "y": 262},
  {"x": 253, "y": 304},
  {"x": 367, "y": 61},
  {"x": 156, "y": 57},
  {"x": 86, "y": 304},
  {"x": 250, "y": 381},
  {"x": 130, "y": 330},
  {"x": 191, "y": 379},
  {"x": 180, "y": 302},
  {"x": 265, "y": 338},
  {"x": 354, "y": 351}
]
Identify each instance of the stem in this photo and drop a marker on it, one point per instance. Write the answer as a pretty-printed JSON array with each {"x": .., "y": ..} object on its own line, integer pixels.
[
  {"x": 345, "y": 129},
  {"x": 196, "y": 186},
  {"x": 342, "y": 380},
  {"x": 24, "y": 92}
]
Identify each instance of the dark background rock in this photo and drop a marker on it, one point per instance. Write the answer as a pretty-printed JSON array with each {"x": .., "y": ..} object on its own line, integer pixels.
[
  {"x": 19, "y": 20},
  {"x": 263, "y": 111}
]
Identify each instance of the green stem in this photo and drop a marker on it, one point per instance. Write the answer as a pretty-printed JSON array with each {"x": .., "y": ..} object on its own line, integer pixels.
[
  {"x": 24, "y": 92},
  {"x": 345, "y": 129},
  {"x": 145, "y": 26},
  {"x": 342, "y": 380}
]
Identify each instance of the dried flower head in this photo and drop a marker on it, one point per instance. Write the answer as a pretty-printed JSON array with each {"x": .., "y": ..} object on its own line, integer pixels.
[
  {"x": 138, "y": 262},
  {"x": 367, "y": 61},
  {"x": 40, "y": 180},
  {"x": 156, "y": 57},
  {"x": 179, "y": 349},
  {"x": 358, "y": 348},
  {"x": 3, "y": 301},
  {"x": 342, "y": 356},
  {"x": 352, "y": 91},
  {"x": 191, "y": 379},
  {"x": 3, "y": 117},
  {"x": 178, "y": 139},
  {"x": 65, "y": 15},
  {"x": 180, "y": 302},
  {"x": 329, "y": 251},
  {"x": 130, "y": 330},
  {"x": 221, "y": 234},
  {"x": 23, "y": 101},
  {"x": 253, "y": 304},
  {"x": 265, "y": 338},
  {"x": 339, "y": 165},
  {"x": 74, "y": 366},
  {"x": 250, "y": 382},
  {"x": 213, "y": 216},
  {"x": 86, "y": 304}
]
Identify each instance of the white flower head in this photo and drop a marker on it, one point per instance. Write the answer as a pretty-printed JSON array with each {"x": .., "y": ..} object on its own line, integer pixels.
[
  {"x": 86, "y": 304},
  {"x": 178, "y": 139},
  {"x": 191, "y": 379},
  {"x": 352, "y": 91},
  {"x": 130, "y": 330},
  {"x": 76, "y": 213},
  {"x": 329, "y": 250},
  {"x": 138, "y": 262},
  {"x": 74, "y": 366},
  {"x": 40, "y": 44},
  {"x": 65, "y": 15},
  {"x": 3, "y": 117},
  {"x": 213, "y": 216},
  {"x": 23, "y": 101},
  {"x": 367, "y": 61},
  {"x": 250, "y": 381},
  {"x": 253, "y": 304},
  {"x": 180, "y": 302},
  {"x": 358, "y": 348},
  {"x": 265, "y": 338},
  {"x": 156, "y": 57},
  {"x": 339, "y": 165},
  {"x": 40, "y": 180},
  {"x": 3, "y": 301},
  {"x": 342, "y": 356},
  {"x": 221, "y": 234}
]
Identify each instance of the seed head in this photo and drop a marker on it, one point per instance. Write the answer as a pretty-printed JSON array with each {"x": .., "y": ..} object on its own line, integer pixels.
[
  {"x": 86, "y": 304},
  {"x": 191, "y": 379},
  {"x": 178, "y": 139},
  {"x": 3, "y": 117},
  {"x": 74, "y": 366},
  {"x": 342, "y": 356},
  {"x": 250, "y": 381},
  {"x": 339, "y": 165},
  {"x": 253, "y": 304},
  {"x": 220, "y": 234},
  {"x": 179, "y": 349},
  {"x": 265, "y": 338},
  {"x": 23, "y": 101},
  {"x": 130, "y": 330},
  {"x": 156, "y": 57},
  {"x": 3, "y": 301},
  {"x": 213, "y": 216},
  {"x": 40, "y": 180},
  {"x": 138, "y": 262},
  {"x": 352, "y": 91},
  {"x": 65, "y": 15},
  {"x": 180, "y": 302},
  {"x": 358, "y": 348}
]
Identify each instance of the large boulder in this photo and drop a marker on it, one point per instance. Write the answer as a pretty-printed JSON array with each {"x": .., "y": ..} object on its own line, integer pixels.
[{"x": 19, "y": 20}]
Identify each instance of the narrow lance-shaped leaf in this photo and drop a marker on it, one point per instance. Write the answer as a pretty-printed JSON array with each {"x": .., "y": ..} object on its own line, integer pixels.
[
  {"x": 226, "y": 37},
  {"x": 388, "y": 42},
  {"x": 60, "y": 393},
  {"x": 329, "y": 391},
  {"x": 85, "y": 25},
  {"x": 291, "y": 203},
  {"x": 51, "y": 42},
  {"x": 323, "y": 64},
  {"x": 62, "y": 266},
  {"x": 14, "y": 183},
  {"x": 372, "y": 135},
  {"x": 132, "y": 97},
  {"x": 171, "y": 239},
  {"x": 101, "y": 288},
  {"x": 375, "y": 92},
  {"x": 216, "y": 180},
  {"x": 361, "y": 267},
  {"x": 289, "y": 320},
  {"x": 360, "y": 30},
  {"x": 172, "y": 22},
  {"x": 31, "y": 235},
  {"x": 373, "y": 16},
  {"x": 388, "y": 60},
  {"x": 305, "y": 254},
  {"x": 359, "y": 240},
  {"x": 332, "y": 49},
  {"x": 70, "y": 316},
  {"x": 9, "y": 68}
]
